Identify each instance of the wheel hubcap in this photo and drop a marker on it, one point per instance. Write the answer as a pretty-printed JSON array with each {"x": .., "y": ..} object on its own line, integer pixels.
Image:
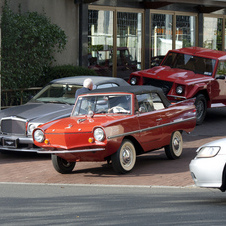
[
  {"x": 176, "y": 143},
  {"x": 199, "y": 108},
  {"x": 126, "y": 156}
]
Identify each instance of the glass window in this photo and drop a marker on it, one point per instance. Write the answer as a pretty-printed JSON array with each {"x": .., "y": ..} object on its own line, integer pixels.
[
  {"x": 185, "y": 31},
  {"x": 103, "y": 104},
  {"x": 212, "y": 33},
  {"x": 100, "y": 41},
  {"x": 145, "y": 102},
  {"x": 221, "y": 69},
  {"x": 161, "y": 39},
  {"x": 199, "y": 65},
  {"x": 129, "y": 43}
]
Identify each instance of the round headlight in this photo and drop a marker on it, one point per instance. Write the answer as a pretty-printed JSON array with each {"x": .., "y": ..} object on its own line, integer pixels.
[
  {"x": 99, "y": 134},
  {"x": 39, "y": 136},
  {"x": 133, "y": 81},
  {"x": 31, "y": 127},
  {"x": 179, "y": 90}
]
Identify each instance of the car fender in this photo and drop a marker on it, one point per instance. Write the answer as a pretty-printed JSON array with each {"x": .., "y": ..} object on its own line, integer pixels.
[{"x": 194, "y": 89}]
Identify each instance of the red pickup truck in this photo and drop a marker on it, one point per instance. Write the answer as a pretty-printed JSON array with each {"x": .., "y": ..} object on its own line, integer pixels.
[{"x": 187, "y": 73}]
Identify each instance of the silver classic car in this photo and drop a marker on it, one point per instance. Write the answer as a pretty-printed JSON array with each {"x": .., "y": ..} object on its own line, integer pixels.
[{"x": 54, "y": 101}]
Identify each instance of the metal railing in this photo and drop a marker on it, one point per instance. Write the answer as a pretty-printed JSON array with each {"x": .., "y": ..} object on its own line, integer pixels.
[{"x": 15, "y": 97}]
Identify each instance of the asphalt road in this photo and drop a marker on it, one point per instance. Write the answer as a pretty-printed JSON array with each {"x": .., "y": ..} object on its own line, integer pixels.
[
  {"x": 151, "y": 169},
  {"x": 37, "y": 204}
]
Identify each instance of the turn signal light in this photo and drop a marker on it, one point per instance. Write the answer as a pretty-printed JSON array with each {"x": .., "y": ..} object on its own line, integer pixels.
[
  {"x": 46, "y": 141},
  {"x": 91, "y": 140}
]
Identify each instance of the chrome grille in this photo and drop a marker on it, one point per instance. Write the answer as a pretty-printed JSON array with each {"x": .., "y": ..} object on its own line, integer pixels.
[
  {"x": 164, "y": 85},
  {"x": 13, "y": 125}
]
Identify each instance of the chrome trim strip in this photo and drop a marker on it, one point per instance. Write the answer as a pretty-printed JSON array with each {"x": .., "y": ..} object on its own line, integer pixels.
[
  {"x": 150, "y": 128},
  {"x": 18, "y": 149},
  {"x": 22, "y": 140},
  {"x": 180, "y": 97},
  {"x": 14, "y": 118},
  {"x": 68, "y": 151}
]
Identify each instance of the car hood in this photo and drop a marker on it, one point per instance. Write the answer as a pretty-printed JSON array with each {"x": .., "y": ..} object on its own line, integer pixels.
[
  {"x": 80, "y": 124},
  {"x": 38, "y": 112},
  {"x": 174, "y": 75}
]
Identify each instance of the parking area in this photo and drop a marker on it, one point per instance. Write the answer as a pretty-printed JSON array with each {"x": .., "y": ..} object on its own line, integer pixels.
[{"x": 152, "y": 169}]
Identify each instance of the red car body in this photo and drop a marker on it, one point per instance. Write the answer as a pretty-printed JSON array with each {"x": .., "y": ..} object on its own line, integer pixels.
[
  {"x": 187, "y": 73},
  {"x": 139, "y": 127}
]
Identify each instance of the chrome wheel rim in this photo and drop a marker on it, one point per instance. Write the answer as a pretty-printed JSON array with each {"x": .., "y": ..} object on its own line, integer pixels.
[
  {"x": 127, "y": 157},
  {"x": 177, "y": 144},
  {"x": 199, "y": 109}
]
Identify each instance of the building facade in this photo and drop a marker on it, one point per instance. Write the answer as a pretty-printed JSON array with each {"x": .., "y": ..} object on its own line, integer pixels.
[{"x": 116, "y": 37}]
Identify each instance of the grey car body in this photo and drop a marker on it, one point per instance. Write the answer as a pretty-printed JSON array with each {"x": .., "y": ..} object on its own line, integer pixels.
[{"x": 54, "y": 101}]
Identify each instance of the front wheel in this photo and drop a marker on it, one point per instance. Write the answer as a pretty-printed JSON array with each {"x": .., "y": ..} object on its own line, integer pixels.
[
  {"x": 62, "y": 165},
  {"x": 124, "y": 159},
  {"x": 175, "y": 148},
  {"x": 201, "y": 106}
]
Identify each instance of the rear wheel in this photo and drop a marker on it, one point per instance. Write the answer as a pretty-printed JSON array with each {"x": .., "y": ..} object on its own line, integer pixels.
[
  {"x": 175, "y": 148},
  {"x": 62, "y": 165},
  {"x": 201, "y": 107},
  {"x": 124, "y": 159}
]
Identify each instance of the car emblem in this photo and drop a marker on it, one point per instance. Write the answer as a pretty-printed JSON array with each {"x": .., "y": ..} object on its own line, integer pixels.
[
  {"x": 9, "y": 142},
  {"x": 69, "y": 126}
]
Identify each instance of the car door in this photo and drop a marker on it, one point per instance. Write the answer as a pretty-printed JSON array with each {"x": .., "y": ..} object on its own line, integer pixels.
[
  {"x": 150, "y": 121},
  {"x": 219, "y": 85}
]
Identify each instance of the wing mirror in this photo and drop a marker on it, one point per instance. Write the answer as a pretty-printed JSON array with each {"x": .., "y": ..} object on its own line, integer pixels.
[{"x": 220, "y": 77}]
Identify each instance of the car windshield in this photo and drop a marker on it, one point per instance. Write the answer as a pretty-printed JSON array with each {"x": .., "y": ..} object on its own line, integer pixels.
[
  {"x": 103, "y": 104},
  {"x": 198, "y": 65},
  {"x": 57, "y": 93}
]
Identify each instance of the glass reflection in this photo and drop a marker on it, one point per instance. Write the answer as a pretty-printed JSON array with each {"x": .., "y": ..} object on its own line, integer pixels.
[
  {"x": 212, "y": 34},
  {"x": 185, "y": 31},
  {"x": 161, "y": 39},
  {"x": 129, "y": 40},
  {"x": 100, "y": 41}
]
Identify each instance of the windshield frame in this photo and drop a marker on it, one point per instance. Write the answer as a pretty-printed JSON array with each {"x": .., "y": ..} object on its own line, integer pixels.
[
  {"x": 65, "y": 92},
  {"x": 107, "y": 96}
]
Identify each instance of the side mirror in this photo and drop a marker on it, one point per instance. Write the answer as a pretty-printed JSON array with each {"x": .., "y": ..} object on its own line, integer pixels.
[
  {"x": 142, "y": 110},
  {"x": 220, "y": 77}
]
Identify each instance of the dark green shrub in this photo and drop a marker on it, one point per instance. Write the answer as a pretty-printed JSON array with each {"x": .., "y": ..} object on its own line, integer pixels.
[
  {"x": 28, "y": 43},
  {"x": 63, "y": 71}
]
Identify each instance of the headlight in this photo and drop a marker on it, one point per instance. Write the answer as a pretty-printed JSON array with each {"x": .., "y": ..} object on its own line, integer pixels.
[
  {"x": 179, "y": 90},
  {"x": 208, "y": 152},
  {"x": 39, "y": 136},
  {"x": 99, "y": 134},
  {"x": 133, "y": 81},
  {"x": 31, "y": 127}
]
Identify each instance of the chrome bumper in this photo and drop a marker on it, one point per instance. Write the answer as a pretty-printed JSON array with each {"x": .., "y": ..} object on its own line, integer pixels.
[{"x": 42, "y": 151}]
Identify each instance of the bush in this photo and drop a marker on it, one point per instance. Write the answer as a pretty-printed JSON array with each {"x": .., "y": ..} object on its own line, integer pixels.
[
  {"x": 28, "y": 43},
  {"x": 63, "y": 71}
]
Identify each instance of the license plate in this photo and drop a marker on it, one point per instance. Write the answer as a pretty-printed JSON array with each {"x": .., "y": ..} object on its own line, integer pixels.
[{"x": 9, "y": 143}]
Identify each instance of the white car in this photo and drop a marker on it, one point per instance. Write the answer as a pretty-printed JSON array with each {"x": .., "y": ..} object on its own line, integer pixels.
[{"x": 208, "y": 168}]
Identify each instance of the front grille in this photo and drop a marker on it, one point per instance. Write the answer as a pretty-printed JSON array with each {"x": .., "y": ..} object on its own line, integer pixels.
[
  {"x": 164, "y": 85},
  {"x": 13, "y": 125}
]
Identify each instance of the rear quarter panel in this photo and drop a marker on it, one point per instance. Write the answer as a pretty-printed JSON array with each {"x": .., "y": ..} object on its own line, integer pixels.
[{"x": 178, "y": 117}]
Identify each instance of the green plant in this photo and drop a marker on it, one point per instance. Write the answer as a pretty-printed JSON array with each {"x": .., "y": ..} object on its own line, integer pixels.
[
  {"x": 29, "y": 41},
  {"x": 61, "y": 71}
]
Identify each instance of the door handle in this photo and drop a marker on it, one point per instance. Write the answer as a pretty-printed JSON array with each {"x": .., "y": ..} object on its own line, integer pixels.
[{"x": 159, "y": 119}]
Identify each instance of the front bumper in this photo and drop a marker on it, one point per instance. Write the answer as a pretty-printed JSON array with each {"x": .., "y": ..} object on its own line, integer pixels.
[
  {"x": 43, "y": 151},
  {"x": 207, "y": 172},
  {"x": 17, "y": 143}
]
